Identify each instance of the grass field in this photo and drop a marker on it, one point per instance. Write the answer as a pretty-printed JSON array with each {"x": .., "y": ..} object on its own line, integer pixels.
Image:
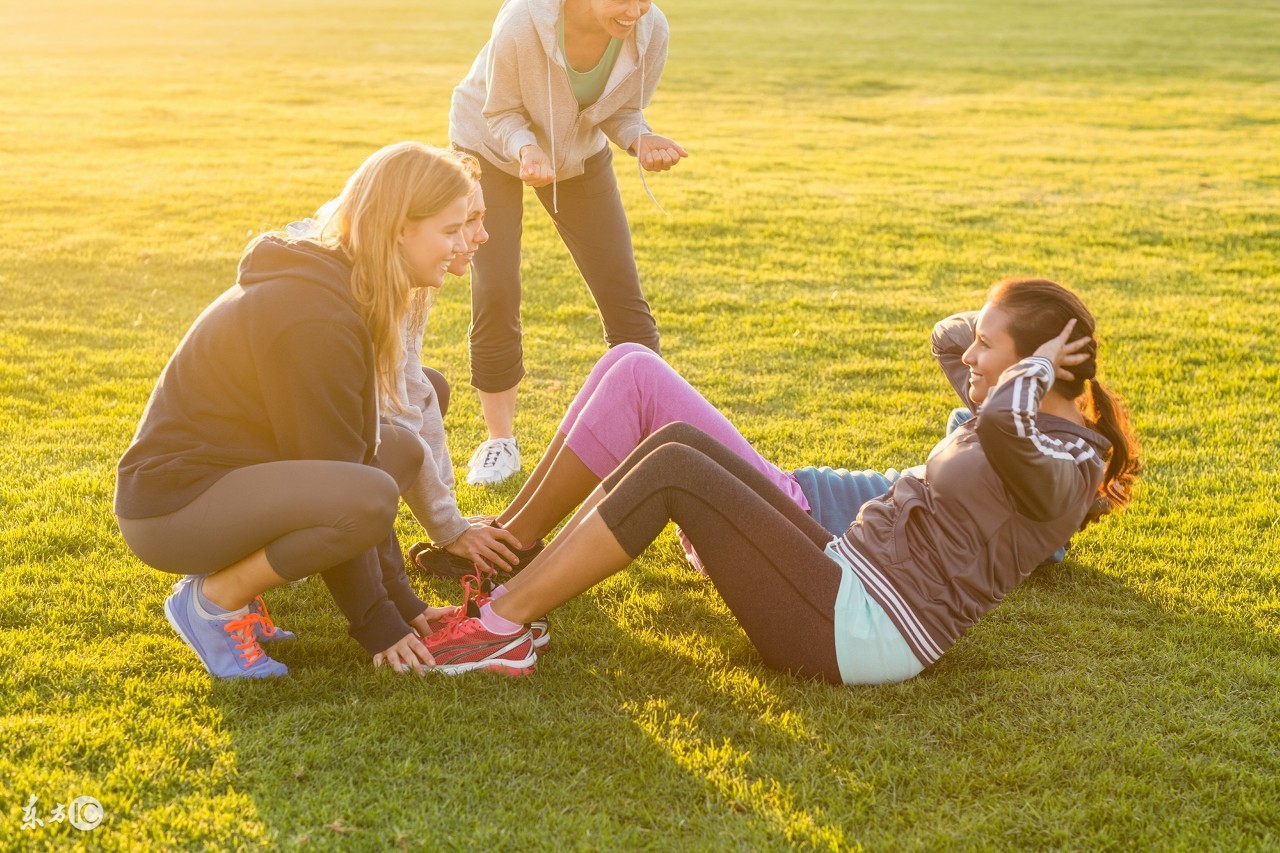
[{"x": 857, "y": 172}]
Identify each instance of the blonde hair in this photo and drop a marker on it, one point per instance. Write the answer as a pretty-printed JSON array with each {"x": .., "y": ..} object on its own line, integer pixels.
[{"x": 398, "y": 184}]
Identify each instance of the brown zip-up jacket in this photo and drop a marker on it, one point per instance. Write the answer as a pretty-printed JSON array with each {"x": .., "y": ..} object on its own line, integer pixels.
[{"x": 999, "y": 495}]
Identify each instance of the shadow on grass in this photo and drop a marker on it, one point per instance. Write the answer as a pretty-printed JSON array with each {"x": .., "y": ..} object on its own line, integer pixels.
[{"x": 1073, "y": 713}]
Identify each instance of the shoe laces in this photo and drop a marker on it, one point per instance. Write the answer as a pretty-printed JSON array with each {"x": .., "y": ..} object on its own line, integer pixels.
[
  {"x": 242, "y": 630},
  {"x": 493, "y": 451},
  {"x": 456, "y": 627},
  {"x": 260, "y": 607},
  {"x": 473, "y": 590}
]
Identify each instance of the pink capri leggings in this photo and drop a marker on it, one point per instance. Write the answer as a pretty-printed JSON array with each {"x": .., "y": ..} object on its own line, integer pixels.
[{"x": 630, "y": 394}]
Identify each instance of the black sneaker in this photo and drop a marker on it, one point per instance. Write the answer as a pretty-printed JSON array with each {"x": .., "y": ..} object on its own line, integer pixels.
[
  {"x": 524, "y": 556},
  {"x": 434, "y": 560}
]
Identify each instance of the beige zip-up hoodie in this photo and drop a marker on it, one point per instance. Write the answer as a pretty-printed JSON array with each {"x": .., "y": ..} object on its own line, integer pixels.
[{"x": 517, "y": 92}]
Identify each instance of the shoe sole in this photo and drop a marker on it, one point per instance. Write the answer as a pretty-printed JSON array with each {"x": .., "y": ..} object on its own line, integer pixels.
[
  {"x": 489, "y": 481},
  {"x": 507, "y": 667}
]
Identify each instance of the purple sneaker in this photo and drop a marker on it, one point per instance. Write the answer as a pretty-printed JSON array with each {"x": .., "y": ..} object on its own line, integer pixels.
[
  {"x": 266, "y": 630},
  {"x": 227, "y": 645}
]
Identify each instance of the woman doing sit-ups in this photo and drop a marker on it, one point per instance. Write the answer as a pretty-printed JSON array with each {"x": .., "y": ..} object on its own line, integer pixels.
[{"x": 1048, "y": 451}]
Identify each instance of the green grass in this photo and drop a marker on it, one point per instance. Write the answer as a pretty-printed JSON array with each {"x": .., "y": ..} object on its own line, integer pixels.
[{"x": 857, "y": 171}]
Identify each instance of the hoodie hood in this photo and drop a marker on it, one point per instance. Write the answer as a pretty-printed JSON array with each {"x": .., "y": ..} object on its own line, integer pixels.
[{"x": 272, "y": 257}]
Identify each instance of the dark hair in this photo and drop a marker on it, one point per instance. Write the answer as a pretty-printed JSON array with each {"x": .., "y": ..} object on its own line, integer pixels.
[{"x": 1038, "y": 310}]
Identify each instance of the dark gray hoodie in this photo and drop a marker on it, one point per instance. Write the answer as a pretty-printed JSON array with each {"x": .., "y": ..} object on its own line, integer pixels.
[{"x": 279, "y": 367}]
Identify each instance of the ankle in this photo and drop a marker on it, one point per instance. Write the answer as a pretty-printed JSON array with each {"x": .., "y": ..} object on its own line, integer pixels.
[
  {"x": 213, "y": 590},
  {"x": 497, "y": 624},
  {"x": 523, "y": 537}
]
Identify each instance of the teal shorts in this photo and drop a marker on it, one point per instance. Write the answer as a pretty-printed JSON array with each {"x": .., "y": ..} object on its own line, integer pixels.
[{"x": 869, "y": 647}]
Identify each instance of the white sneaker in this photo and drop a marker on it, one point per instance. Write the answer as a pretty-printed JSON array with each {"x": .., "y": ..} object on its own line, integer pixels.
[{"x": 494, "y": 462}]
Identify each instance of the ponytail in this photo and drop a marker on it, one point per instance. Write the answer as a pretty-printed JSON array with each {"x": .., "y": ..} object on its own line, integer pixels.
[
  {"x": 1107, "y": 414},
  {"x": 1040, "y": 309}
]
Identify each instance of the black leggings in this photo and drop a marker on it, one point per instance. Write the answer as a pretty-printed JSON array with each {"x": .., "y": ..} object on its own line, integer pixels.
[
  {"x": 593, "y": 225},
  {"x": 309, "y": 514},
  {"x": 763, "y": 553}
]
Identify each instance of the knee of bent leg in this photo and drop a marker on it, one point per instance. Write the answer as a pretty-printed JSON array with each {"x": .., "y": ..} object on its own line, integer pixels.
[
  {"x": 373, "y": 506},
  {"x": 403, "y": 459},
  {"x": 674, "y": 458},
  {"x": 643, "y": 372},
  {"x": 440, "y": 385},
  {"x": 645, "y": 364},
  {"x": 618, "y": 351},
  {"x": 681, "y": 433}
]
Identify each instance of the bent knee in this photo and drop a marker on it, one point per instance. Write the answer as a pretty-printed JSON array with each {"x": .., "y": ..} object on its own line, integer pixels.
[
  {"x": 618, "y": 351},
  {"x": 675, "y": 459},
  {"x": 372, "y": 508},
  {"x": 644, "y": 371},
  {"x": 683, "y": 434},
  {"x": 615, "y": 354}
]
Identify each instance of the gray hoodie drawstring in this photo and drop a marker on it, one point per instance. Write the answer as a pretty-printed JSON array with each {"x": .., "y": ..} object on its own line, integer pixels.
[
  {"x": 551, "y": 120},
  {"x": 640, "y": 166}
]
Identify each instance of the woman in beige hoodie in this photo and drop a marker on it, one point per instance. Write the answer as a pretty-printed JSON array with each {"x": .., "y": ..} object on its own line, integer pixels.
[{"x": 557, "y": 81}]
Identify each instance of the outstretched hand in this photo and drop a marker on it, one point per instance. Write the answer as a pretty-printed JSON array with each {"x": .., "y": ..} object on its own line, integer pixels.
[
  {"x": 658, "y": 153},
  {"x": 421, "y": 624},
  {"x": 487, "y": 546},
  {"x": 407, "y": 654},
  {"x": 1063, "y": 352}
]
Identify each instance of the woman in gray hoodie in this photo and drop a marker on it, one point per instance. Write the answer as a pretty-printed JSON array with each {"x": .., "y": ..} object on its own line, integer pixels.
[{"x": 557, "y": 81}]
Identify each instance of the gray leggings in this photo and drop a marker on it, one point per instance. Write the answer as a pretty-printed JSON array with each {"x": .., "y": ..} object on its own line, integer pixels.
[
  {"x": 593, "y": 225},
  {"x": 763, "y": 553},
  {"x": 309, "y": 514}
]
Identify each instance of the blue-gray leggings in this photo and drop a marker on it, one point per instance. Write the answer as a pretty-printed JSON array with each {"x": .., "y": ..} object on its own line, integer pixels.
[{"x": 309, "y": 514}]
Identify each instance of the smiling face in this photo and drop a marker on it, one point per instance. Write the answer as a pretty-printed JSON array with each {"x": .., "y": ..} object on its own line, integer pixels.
[
  {"x": 619, "y": 17},
  {"x": 473, "y": 233},
  {"x": 430, "y": 245},
  {"x": 991, "y": 353}
]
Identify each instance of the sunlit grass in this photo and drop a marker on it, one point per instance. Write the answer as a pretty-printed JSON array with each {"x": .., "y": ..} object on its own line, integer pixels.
[{"x": 858, "y": 171}]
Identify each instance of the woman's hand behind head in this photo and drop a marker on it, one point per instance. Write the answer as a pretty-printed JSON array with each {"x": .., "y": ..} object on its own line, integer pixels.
[{"x": 1063, "y": 352}]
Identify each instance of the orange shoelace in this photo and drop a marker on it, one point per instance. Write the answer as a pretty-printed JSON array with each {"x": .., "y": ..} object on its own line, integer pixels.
[
  {"x": 452, "y": 625},
  {"x": 268, "y": 627},
  {"x": 242, "y": 630}
]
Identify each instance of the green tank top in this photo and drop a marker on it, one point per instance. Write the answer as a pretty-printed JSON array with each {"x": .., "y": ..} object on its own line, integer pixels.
[{"x": 588, "y": 86}]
